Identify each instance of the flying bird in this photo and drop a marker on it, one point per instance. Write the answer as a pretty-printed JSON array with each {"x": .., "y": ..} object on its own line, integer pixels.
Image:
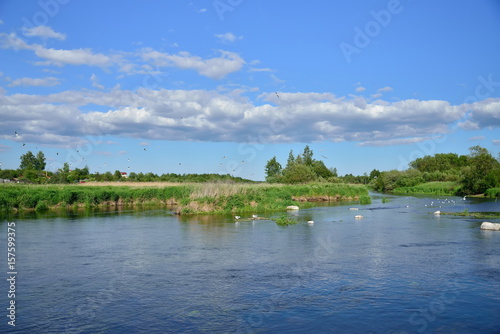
[
  {"x": 277, "y": 94},
  {"x": 324, "y": 157}
]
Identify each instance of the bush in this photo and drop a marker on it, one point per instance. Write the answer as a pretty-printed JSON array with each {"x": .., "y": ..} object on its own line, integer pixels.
[{"x": 284, "y": 220}]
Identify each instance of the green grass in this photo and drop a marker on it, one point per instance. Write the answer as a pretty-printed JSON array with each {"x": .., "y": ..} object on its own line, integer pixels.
[
  {"x": 186, "y": 198},
  {"x": 493, "y": 192},
  {"x": 284, "y": 220},
  {"x": 431, "y": 188},
  {"x": 466, "y": 213}
]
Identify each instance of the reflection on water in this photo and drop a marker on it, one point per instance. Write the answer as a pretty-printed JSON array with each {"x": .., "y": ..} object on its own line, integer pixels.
[{"x": 400, "y": 269}]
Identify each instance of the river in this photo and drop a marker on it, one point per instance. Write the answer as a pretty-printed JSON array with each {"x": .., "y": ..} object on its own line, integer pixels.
[{"x": 400, "y": 269}]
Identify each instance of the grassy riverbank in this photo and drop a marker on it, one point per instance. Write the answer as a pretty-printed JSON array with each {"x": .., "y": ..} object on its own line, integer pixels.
[
  {"x": 193, "y": 198},
  {"x": 431, "y": 188},
  {"x": 445, "y": 188}
]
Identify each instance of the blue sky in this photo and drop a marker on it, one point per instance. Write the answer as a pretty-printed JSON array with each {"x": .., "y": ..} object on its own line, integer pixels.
[{"x": 222, "y": 86}]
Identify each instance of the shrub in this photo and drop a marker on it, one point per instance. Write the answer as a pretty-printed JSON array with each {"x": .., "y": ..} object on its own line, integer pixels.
[{"x": 284, "y": 220}]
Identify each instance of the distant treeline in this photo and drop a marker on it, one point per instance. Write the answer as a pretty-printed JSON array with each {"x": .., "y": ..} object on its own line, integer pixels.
[
  {"x": 446, "y": 174},
  {"x": 32, "y": 170}
]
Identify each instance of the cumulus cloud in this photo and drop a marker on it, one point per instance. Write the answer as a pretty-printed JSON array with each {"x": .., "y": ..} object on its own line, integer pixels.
[
  {"x": 38, "y": 82},
  {"x": 72, "y": 57},
  {"x": 215, "y": 68},
  {"x": 484, "y": 114},
  {"x": 201, "y": 115},
  {"x": 57, "y": 57},
  {"x": 43, "y": 32}
]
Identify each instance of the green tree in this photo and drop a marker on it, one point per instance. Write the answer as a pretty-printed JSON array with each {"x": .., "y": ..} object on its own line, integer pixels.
[
  {"x": 291, "y": 159},
  {"x": 320, "y": 169},
  {"x": 307, "y": 156},
  {"x": 117, "y": 175},
  {"x": 299, "y": 173},
  {"x": 273, "y": 170},
  {"x": 481, "y": 172},
  {"x": 29, "y": 161}
]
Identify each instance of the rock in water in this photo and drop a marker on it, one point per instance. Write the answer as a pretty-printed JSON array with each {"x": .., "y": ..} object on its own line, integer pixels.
[{"x": 490, "y": 226}]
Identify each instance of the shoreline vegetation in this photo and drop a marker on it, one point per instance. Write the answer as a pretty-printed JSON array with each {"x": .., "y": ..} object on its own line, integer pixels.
[{"x": 181, "y": 198}]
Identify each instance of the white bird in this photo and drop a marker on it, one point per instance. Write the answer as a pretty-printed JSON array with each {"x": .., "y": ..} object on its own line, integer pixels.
[
  {"x": 254, "y": 216},
  {"x": 464, "y": 198},
  {"x": 437, "y": 213},
  {"x": 237, "y": 217},
  {"x": 310, "y": 222}
]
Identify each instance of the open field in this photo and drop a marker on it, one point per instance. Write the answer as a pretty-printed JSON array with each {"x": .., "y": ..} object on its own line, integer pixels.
[{"x": 182, "y": 198}]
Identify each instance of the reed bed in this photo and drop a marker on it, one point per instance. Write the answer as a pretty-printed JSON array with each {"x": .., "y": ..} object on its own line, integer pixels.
[
  {"x": 183, "y": 198},
  {"x": 431, "y": 188}
]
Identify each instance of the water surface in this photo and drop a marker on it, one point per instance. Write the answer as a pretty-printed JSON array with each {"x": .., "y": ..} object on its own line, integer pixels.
[{"x": 400, "y": 269}]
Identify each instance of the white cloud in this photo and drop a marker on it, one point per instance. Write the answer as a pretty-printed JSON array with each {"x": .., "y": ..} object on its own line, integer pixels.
[
  {"x": 95, "y": 81},
  {"x": 214, "y": 68},
  {"x": 496, "y": 141},
  {"x": 485, "y": 113},
  {"x": 200, "y": 115},
  {"x": 1, "y": 22},
  {"x": 253, "y": 69},
  {"x": 72, "y": 57},
  {"x": 468, "y": 125},
  {"x": 392, "y": 142},
  {"x": 38, "y": 82},
  {"x": 385, "y": 89},
  {"x": 276, "y": 79},
  {"x": 58, "y": 57},
  {"x": 477, "y": 138},
  {"x": 203, "y": 10},
  {"x": 228, "y": 37},
  {"x": 11, "y": 41},
  {"x": 43, "y": 32},
  {"x": 360, "y": 89}
]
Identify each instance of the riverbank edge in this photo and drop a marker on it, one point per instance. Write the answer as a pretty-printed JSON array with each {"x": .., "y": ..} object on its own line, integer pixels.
[
  {"x": 204, "y": 198},
  {"x": 442, "y": 188}
]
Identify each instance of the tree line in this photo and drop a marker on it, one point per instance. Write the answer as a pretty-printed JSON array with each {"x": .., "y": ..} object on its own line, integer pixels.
[
  {"x": 32, "y": 169},
  {"x": 474, "y": 173}
]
